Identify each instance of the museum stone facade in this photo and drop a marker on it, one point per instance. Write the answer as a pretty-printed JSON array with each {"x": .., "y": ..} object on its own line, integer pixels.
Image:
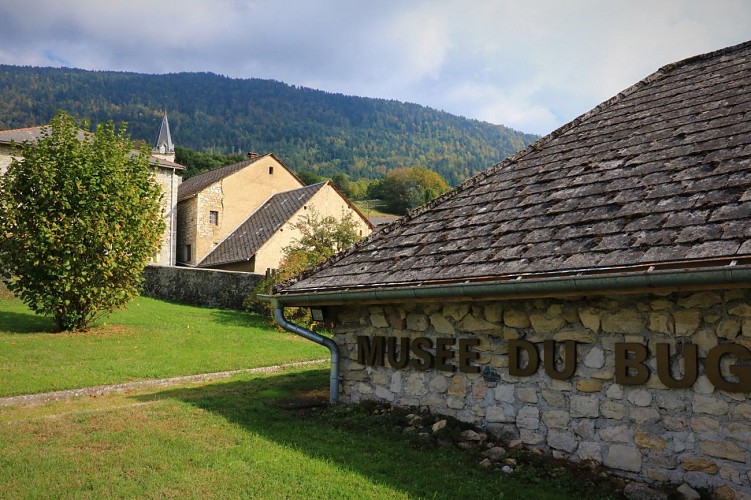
[{"x": 471, "y": 360}]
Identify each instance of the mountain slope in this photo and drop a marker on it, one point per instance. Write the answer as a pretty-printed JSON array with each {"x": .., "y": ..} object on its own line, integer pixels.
[{"x": 308, "y": 129}]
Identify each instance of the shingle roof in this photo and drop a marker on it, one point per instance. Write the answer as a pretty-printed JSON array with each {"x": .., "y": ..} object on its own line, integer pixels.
[
  {"x": 243, "y": 243},
  {"x": 660, "y": 173}
]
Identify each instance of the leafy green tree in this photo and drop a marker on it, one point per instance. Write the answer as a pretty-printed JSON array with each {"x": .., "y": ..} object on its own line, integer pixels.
[
  {"x": 309, "y": 177},
  {"x": 197, "y": 162},
  {"x": 320, "y": 238},
  {"x": 403, "y": 189},
  {"x": 79, "y": 219},
  {"x": 342, "y": 183},
  {"x": 358, "y": 190}
]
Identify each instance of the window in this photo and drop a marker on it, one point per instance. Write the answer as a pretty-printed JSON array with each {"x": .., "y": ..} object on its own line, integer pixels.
[
  {"x": 187, "y": 253},
  {"x": 214, "y": 217},
  {"x": 271, "y": 170}
]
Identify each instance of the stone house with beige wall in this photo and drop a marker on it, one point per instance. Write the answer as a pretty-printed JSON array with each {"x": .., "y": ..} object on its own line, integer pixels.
[
  {"x": 240, "y": 217},
  {"x": 589, "y": 297},
  {"x": 166, "y": 174}
]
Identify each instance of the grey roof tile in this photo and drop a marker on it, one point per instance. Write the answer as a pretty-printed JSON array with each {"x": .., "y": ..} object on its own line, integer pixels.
[
  {"x": 659, "y": 174},
  {"x": 709, "y": 249},
  {"x": 745, "y": 247}
]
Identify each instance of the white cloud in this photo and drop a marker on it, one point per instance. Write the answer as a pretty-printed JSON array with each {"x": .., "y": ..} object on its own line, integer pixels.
[{"x": 532, "y": 64}]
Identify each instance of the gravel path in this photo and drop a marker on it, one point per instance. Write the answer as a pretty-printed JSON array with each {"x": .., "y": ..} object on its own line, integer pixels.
[{"x": 35, "y": 399}]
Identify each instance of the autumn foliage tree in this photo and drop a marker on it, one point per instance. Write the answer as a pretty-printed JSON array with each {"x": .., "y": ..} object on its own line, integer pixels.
[{"x": 80, "y": 217}]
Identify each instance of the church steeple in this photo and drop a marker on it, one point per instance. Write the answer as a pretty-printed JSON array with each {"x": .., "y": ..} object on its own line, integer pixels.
[{"x": 164, "y": 148}]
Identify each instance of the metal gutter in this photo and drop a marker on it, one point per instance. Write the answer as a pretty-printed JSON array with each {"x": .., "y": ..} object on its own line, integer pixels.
[
  {"x": 726, "y": 275},
  {"x": 310, "y": 335}
]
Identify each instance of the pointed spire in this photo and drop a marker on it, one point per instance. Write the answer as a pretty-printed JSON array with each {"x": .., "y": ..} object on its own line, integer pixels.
[
  {"x": 164, "y": 148},
  {"x": 164, "y": 141}
]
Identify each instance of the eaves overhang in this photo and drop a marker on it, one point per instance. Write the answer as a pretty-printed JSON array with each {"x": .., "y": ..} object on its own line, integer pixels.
[{"x": 733, "y": 273}]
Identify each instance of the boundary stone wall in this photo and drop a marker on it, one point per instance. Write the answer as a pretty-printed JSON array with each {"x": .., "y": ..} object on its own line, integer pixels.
[
  {"x": 700, "y": 435},
  {"x": 200, "y": 287}
]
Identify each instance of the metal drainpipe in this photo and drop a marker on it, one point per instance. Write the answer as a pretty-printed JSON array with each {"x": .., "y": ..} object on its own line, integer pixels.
[{"x": 318, "y": 339}]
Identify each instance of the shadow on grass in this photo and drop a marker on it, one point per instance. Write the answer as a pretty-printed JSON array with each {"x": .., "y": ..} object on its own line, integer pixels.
[
  {"x": 335, "y": 435},
  {"x": 14, "y": 322}
]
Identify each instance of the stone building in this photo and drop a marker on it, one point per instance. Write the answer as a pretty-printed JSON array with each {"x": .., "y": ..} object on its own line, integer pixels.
[
  {"x": 166, "y": 174},
  {"x": 589, "y": 296},
  {"x": 240, "y": 217}
]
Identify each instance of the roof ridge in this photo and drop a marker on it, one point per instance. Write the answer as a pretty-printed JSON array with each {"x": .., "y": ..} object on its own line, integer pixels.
[
  {"x": 23, "y": 128},
  {"x": 707, "y": 55}
]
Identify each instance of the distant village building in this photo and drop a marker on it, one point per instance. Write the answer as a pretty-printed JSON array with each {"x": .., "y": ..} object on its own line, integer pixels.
[
  {"x": 589, "y": 296},
  {"x": 166, "y": 174},
  {"x": 241, "y": 216}
]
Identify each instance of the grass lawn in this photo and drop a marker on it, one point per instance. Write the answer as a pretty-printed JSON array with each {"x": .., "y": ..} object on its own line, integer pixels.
[
  {"x": 373, "y": 208},
  {"x": 225, "y": 439},
  {"x": 149, "y": 339},
  {"x": 231, "y": 439}
]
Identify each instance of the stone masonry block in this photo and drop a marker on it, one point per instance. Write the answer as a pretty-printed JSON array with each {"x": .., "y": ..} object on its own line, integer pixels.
[
  {"x": 585, "y": 406},
  {"x": 623, "y": 457}
]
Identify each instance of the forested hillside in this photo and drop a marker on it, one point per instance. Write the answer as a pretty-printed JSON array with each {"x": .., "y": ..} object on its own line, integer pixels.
[{"x": 308, "y": 129}]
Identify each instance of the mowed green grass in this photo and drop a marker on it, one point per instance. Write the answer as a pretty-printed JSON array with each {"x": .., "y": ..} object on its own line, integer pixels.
[
  {"x": 230, "y": 439},
  {"x": 222, "y": 439},
  {"x": 149, "y": 339}
]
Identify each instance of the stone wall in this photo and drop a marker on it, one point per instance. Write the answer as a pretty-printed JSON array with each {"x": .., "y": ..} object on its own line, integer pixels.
[
  {"x": 187, "y": 212},
  {"x": 200, "y": 287},
  {"x": 700, "y": 435},
  {"x": 194, "y": 227},
  {"x": 168, "y": 181}
]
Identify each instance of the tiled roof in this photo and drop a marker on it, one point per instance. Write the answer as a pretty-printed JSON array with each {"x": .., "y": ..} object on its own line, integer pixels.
[
  {"x": 161, "y": 162},
  {"x": 195, "y": 184},
  {"x": 659, "y": 174},
  {"x": 250, "y": 236},
  {"x": 21, "y": 135}
]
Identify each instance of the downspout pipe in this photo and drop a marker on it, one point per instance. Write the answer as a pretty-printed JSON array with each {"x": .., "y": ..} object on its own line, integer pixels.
[{"x": 310, "y": 335}]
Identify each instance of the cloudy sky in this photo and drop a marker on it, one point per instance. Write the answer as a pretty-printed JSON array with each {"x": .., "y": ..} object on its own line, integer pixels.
[{"x": 529, "y": 64}]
